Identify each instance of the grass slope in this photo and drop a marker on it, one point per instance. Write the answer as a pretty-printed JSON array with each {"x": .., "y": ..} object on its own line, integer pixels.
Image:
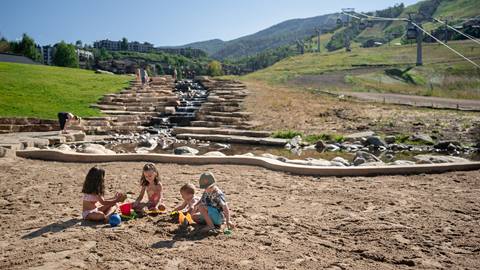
[
  {"x": 43, "y": 91},
  {"x": 449, "y": 75}
]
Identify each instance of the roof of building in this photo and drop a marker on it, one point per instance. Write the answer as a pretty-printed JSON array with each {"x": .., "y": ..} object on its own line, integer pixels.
[{"x": 14, "y": 58}]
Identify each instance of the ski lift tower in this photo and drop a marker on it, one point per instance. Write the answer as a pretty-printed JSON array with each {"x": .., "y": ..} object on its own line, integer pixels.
[{"x": 346, "y": 24}]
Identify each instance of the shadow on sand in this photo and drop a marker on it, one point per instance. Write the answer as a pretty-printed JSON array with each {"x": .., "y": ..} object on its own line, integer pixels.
[{"x": 61, "y": 226}]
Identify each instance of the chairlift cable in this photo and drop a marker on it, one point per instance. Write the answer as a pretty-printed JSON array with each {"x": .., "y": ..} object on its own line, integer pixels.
[
  {"x": 439, "y": 41},
  {"x": 461, "y": 33}
]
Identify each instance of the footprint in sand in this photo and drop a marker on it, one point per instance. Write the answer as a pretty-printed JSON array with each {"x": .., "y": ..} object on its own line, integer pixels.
[{"x": 173, "y": 264}]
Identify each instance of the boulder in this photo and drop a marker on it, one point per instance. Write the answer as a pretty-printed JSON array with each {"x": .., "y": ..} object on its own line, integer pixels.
[
  {"x": 375, "y": 141},
  {"x": 359, "y": 161},
  {"x": 320, "y": 146},
  {"x": 358, "y": 136},
  {"x": 319, "y": 162},
  {"x": 214, "y": 154},
  {"x": 402, "y": 162},
  {"x": 448, "y": 146},
  {"x": 422, "y": 138},
  {"x": 431, "y": 159},
  {"x": 185, "y": 151},
  {"x": 65, "y": 148},
  {"x": 366, "y": 156},
  {"x": 341, "y": 160},
  {"x": 3, "y": 152},
  {"x": 97, "y": 149}
]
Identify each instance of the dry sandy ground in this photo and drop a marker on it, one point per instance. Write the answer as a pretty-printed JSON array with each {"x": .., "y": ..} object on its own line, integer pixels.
[
  {"x": 282, "y": 107},
  {"x": 284, "y": 221}
]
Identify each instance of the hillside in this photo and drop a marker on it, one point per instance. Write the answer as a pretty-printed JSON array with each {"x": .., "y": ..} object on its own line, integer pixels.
[
  {"x": 444, "y": 74},
  {"x": 273, "y": 37},
  {"x": 43, "y": 91},
  {"x": 209, "y": 46},
  {"x": 286, "y": 33}
]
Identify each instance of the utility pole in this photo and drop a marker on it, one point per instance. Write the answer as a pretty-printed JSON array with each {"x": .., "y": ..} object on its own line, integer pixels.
[{"x": 446, "y": 29}]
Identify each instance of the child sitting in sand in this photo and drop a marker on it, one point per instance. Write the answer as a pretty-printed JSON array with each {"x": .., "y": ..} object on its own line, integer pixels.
[
  {"x": 150, "y": 183},
  {"x": 189, "y": 199},
  {"x": 94, "y": 189},
  {"x": 213, "y": 207}
]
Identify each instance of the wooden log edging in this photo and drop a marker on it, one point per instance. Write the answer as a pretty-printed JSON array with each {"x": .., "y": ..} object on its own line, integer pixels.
[{"x": 275, "y": 165}]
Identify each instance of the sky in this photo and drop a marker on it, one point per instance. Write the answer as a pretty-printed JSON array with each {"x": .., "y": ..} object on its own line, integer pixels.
[{"x": 161, "y": 22}]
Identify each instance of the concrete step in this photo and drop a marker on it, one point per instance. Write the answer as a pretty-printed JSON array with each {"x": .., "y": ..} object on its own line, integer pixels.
[{"x": 244, "y": 115}]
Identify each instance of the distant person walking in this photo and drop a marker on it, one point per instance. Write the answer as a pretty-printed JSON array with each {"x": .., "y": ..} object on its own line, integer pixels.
[
  {"x": 65, "y": 119},
  {"x": 143, "y": 76}
]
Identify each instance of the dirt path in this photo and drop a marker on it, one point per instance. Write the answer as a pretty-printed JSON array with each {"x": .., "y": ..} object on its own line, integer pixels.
[
  {"x": 418, "y": 101},
  {"x": 284, "y": 221},
  {"x": 336, "y": 80}
]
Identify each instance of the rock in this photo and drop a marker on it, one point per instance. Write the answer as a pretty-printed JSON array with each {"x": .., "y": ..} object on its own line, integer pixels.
[
  {"x": 431, "y": 159},
  {"x": 366, "y": 156},
  {"x": 95, "y": 149},
  {"x": 295, "y": 142},
  {"x": 185, "y": 151},
  {"x": 341, "y": 160},
  {"x": 422, "y": 138},
  {"x": 372, "y": 164},
  {"x": 80, "y": 136},
  {"x": 65, "y": 148},
  {"x": 3, "y": 152},
  {"x": 375, "y": 141},
  {"x": 319, "y": 162},
  {"x": 337, "y": 164},
  {"x": 332, "y": 148},
  {"x": 358, "y": 161},
  {"x": 148, "y": 143},
  {"x": 358, "y": 136},
  {"x": 390, "y": 139},
  {"x": 247, "y": 155},
  {"x": 320, "y": 146},
  {"x": 214, "y": 154},
  {"x": 402, "y": 162},
  {"x": 448, "y": 145}
]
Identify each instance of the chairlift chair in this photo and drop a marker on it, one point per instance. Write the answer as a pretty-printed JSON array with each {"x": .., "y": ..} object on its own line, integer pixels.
[
  {"x": 362, "y": 25},
  {"x": 339, "y": 21},
  {"x": 411, "y": 32}
]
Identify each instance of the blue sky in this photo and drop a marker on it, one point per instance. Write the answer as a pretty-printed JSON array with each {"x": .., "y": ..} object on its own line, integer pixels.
[{"x": 159, "y": 22}]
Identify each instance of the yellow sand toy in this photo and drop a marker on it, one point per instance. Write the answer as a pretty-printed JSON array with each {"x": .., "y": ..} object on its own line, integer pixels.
[{"x": 182, "y": 218}]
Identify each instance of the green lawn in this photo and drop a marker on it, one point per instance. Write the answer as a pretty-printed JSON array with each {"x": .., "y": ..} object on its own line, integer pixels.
[{"x": 43, "y": 91}]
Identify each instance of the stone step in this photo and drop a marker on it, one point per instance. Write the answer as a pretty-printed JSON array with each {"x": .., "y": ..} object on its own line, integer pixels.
[
  {"x": 233, "y": 139},
  {"x": 205, "y": 124},
  {"x": 114, "y": 129},
  {"x": 206, "y": 110},
  {"x": 221, "y": 119},
  {"x": 108, "y": 107},
  {"x": 244, "y": 115},
  {"x": 113, "y": 112},
  {"x": 221, "y": 131}
]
